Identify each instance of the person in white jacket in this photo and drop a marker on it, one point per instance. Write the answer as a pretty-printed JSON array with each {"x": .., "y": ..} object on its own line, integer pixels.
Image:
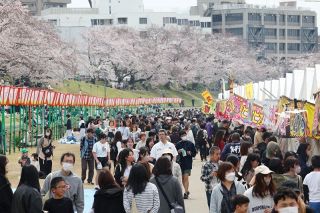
[{"x": 223, "y": 192}]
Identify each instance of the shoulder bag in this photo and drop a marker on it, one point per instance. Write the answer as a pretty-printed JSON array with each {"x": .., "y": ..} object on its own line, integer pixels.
[{"x": 174, "y": 207}]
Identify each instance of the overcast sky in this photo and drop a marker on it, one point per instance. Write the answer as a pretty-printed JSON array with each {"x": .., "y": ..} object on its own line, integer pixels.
[{"x": 184, "y": 5}]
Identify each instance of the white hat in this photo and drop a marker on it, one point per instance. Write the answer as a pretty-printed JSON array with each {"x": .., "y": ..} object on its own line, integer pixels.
[
  {"x": 167, "y": 151},
  {"x": 260, "y": 170}
]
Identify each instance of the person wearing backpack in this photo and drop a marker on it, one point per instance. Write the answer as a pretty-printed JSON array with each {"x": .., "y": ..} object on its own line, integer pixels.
[
  {"x": 202, "y": 142},
  {"x": 45, "y": 152}
]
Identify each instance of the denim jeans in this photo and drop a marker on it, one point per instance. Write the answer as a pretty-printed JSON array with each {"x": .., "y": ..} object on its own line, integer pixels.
[{"x": 315, "y": 206}]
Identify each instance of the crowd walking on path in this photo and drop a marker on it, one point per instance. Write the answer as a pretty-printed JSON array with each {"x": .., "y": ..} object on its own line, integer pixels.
[{"x": 143, "y": 164}]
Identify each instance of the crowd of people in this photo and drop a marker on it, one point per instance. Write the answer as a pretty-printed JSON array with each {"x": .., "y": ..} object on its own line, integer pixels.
[{"x": 143, "y": 164}]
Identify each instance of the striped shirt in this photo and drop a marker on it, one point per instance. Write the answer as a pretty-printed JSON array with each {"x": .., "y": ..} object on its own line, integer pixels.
[{"x": 147, "y": 201}]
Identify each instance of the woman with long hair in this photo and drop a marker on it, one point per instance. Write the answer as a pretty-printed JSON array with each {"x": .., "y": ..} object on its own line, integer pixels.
[
  {"x": 144, "y": 157},
  {"x": 225, "y": 190},
  {"x": 170, "y": 185},
  {"x": 245, "y": 149},
  {"x": 139, "y": 193},
  {"x": 219, "y": 139},
  {"x": 262, "y": 191},
  {"x": 304, "y": 154},
  {"x": 45, "y": 152},
  {"x": 5, "y": 187},
  {"x": 123, "y": 169},
  {"x": 253, "y": 160},
  {"x": 114, "y": 150},
  {"x": 27, "y": 196},
  {"x": 109, "y": 198}
]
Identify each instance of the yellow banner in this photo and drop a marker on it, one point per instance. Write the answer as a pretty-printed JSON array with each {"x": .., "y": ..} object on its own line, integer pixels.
[
  {"x": 249, "y": 90},
  {"x": 207, "y": 97}
]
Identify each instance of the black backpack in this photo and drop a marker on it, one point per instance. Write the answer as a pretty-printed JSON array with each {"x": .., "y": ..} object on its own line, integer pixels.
[{"x": 47, "y": 151}]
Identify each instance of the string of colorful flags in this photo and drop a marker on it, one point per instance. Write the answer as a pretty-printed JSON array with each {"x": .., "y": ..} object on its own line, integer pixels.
[{"x": 22, "y": 96}]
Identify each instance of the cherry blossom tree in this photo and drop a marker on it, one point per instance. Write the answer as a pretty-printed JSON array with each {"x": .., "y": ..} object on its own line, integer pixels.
[
  {"x": 31, "y": 47},
  {"x": 183, "y": 55}
]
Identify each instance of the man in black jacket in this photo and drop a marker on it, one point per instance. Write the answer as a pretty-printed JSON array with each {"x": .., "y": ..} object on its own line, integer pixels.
[{"x": 187, "y": 152}]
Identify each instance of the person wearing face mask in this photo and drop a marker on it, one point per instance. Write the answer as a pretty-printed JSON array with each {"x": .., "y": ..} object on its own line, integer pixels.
[
  {"x": 262, "y": 191},
  {"x": 303, "y": 208},
  {"x": 45, "y": 152},
  {"x": 223, "y": 193},
  {"x": 292, "y": 169},
  {"x": 285, "y": 201},
  {"x": 75, "y": 187},
  {"x": 187, "y": 151}
]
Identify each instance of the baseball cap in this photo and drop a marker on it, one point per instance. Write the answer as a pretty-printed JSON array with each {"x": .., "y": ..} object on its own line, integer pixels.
[
  {"x": 167, "y": 151},
  {"x": 24, "y": 150},
  {"x": 260, "y": 170}
]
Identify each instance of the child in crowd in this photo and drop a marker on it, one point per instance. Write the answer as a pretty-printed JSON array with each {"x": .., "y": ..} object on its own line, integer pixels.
[
  {"x": 209, "y": 171},
  {"x": 24, "y": 160},
  {"x": 240, "y": 204},
  {"x": 58, "y": 203}
]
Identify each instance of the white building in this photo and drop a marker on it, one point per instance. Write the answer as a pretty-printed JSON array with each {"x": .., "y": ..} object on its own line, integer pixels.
[{"x": 131, "y": 13}]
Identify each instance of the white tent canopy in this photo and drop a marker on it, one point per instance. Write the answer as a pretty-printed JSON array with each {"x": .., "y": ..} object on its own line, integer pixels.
[{"x": 300, "y": 84}]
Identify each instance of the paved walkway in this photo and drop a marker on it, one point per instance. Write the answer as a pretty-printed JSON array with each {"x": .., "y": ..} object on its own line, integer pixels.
[{"x": 197, "y": 203}]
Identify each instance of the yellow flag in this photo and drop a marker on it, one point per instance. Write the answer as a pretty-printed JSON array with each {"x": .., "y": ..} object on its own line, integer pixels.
[
  {"x": 207, "y": 97},
  {"x": 249, "y": 90}
]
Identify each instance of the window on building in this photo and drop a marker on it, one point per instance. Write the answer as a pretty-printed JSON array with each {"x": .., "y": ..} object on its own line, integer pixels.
[
  {"x": 122, "y": 20},
  {"x": 282, "y": 32},
  {"x": 109, "y": 21},
  {"x": 183, "y": 21},
  {"x": 294, "y": 19},
  {"x": 169, "y": 20},
  {"x": 110, "y": 10},
  {"x": 254, "y": 17},
  {"x": 235, "y": 31},
  {"x": 217, "y": 18},
  {"x": 205, "y": 24},
  {"x": 53, "y": 21},
  {"x": 270, "y": 18},
  {"x": 95, "y": 22},
  {"x": 234, "y": 17},
  {"x": 308, "y": 19},
  {"x": 282, "y": 18},
  {"x": 293, "y": 47},
  {"x": 143, "y": 21},
  {"x": 282, "y": 46},
  {"x": 194, "y": 23},
  {"x": 293, "y": 33},
  {"x": 270, "y": 32},
  {"x": 271, "y": 46}
]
